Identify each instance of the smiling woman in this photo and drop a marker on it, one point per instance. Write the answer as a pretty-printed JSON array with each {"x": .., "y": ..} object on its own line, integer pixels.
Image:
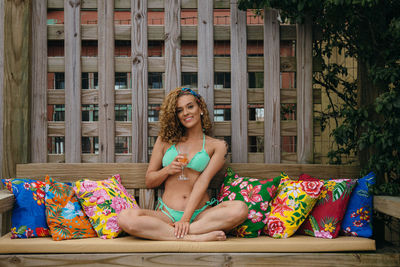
[{"x": 185, "y": 211}]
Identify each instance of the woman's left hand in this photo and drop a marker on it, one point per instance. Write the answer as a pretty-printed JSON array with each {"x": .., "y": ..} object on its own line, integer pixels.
[{"x": 181, "y": 228}]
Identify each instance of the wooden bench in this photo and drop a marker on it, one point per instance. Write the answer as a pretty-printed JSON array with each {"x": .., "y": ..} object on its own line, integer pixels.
[{"x": 299, "y": 250}]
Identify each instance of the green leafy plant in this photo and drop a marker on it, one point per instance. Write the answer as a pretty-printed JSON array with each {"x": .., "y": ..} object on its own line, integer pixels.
[{"x": 368, "y": 115}]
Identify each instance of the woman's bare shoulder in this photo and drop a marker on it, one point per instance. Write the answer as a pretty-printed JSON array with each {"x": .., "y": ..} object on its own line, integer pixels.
[
  {"x": 216, "y": 143},
  {"x": 160, "y": 144}
]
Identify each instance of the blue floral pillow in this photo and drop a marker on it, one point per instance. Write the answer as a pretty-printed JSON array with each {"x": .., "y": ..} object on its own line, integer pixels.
[
  {"x": 357, "y": 220},
  {"x": 28, "y": 215}
]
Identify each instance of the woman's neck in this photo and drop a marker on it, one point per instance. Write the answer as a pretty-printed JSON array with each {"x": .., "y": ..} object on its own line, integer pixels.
[{"x": 194, "y": 133}]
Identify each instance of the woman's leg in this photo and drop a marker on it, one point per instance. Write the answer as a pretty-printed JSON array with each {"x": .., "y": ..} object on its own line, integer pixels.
[
  {"x": 225, "y": 216},
  {"x": 156, "y": 225}
]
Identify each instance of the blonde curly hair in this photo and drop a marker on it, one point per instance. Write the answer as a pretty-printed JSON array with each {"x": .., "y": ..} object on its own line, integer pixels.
[{"x": 171, "y": 129}]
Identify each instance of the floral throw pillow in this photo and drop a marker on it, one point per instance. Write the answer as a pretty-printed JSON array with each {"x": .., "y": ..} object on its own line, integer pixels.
[
  {"x": 28, "y": 215},
  {"x": 255, "y": 193},
  {"x": 357, "y": 220},
  {"x": 102, "y": 201},
  {"x": 325, "y": 219},
  {"x": 292, "y": 204},
  {"x": 64, "y": 214}
]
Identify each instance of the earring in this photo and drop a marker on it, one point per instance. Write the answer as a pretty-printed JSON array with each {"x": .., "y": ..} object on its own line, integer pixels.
[{"x": 201, "y": 114}]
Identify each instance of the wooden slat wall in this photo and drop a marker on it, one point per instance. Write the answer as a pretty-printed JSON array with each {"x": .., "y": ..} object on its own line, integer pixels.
[
  {"x": 72, "y": 29},
  {"x": 272, "y": 106},
  {"x": 106, "y": 130},
  {"x": 139, "y": 80},
  {"x": 39, "y": 82},
  {"x": 206, "y": 53},
  {"x": 172, "y": 44},
  {"x": 172, "y": 65},
  {"x": 238, "y": 83},
  {"x": 304, "y": 93}
]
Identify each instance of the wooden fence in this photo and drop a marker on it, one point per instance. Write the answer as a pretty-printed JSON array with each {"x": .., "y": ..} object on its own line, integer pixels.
[{"x": 272, "y": 129}]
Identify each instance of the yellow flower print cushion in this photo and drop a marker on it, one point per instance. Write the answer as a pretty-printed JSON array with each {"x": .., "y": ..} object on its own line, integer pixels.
[
  {"x": 102, "y": 201},
  {"x": 290, "y": 208}
]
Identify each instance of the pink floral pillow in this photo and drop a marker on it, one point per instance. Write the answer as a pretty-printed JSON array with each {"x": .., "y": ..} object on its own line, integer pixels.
[{"x": 102, "y": 201}]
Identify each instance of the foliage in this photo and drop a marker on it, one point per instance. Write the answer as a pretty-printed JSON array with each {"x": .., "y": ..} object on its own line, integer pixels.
[{"x": 368, "y": 115}]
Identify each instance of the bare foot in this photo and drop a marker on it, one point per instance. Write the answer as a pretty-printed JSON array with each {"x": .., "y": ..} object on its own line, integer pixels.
[{"x": 211, "y": 236}]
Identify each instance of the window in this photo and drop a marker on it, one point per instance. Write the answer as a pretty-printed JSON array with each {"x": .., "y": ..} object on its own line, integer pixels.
[
  {"x": 121, "y": 80},
  {"x": 189, "y": 79},
  {"x": 122, "y": 48},
  {"x": 255, "y": 48},
  {"x": 90, "y": 80},
  {"x": 153, "y": 112},
  {"x": 123, "y": 112},
  {"x": 59, "y": 80},
  {"x": 222, "y": 113},
  {"x": 90, "y": 145},
  {"x": 90, "y": 112},
  {"x": 256, "y": 79},
  {"x": 222, "y": 80},
  {"x": 56, "y": 112},
  {"x": 123, "y": 144},
  {"x": 256, "y": 144},
  {"x": 189, "y": 48},
  {"x": 55, "y": 144},
  {"x": 256, "y": 112},
  {"x": 287, "y": 80},
  {"x": 222, "y": 48},
  {"x": 155, "y": 80}
]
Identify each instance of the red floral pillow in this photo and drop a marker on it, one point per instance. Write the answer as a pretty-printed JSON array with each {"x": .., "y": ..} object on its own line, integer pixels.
[{"x": 325, "y": 219}]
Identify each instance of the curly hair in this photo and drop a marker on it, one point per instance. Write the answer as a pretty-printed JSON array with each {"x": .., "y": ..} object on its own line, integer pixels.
[{"x": 171, "y": 129}]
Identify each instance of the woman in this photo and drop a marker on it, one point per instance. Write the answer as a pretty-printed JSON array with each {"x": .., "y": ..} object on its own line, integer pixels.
[{"x": 185, "y": 211}]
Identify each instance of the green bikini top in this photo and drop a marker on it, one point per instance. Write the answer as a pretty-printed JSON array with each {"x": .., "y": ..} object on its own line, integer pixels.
[{"x": 198, "y": 163}]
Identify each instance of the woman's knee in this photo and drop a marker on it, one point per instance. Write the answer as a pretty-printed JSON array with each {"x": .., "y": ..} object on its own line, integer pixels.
[
  {"x": 238, "y": 211},
  {"x": 128, "y": 219}
]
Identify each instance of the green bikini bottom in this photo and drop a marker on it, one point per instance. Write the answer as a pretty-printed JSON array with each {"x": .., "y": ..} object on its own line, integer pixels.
[{"x": 176, "y": 215}]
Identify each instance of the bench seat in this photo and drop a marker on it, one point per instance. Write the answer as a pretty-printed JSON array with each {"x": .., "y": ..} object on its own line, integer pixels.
[{"x": 130, "y": 244}]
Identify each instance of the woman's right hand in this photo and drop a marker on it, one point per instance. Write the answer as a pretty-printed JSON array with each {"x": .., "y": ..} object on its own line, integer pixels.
[{"x": 175, "y": 166}]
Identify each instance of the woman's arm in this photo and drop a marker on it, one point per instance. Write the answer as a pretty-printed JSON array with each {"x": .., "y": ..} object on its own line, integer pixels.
[
  {"x": 217, "y": 161},
  {"x": 156, "y": 174}
]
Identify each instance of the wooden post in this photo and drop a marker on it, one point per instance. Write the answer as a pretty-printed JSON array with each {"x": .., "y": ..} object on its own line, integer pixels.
[
  {"x": 73, "y": 113},
  {"x": 1, "y": 80},
  {"x": 16, "y": 91},
  {"x": 106, "y": 80},
  {"x": 172, "y": 44},
  {"x": 304, "y": 93},
  {"x": 272, "y": 100},
  {"x": 39, "y": 82},
  {"x": 239, "y": 83},
  {"x": 205, "y": 47},
  {"x": 139, "y": 80}
]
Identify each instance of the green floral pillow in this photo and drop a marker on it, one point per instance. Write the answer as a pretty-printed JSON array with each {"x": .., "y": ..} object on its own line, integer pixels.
[{"x": 256, "y": 193}]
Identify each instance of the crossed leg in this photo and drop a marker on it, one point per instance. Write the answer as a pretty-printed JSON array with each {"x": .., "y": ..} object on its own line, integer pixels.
[{"x": 208, "y": 226}]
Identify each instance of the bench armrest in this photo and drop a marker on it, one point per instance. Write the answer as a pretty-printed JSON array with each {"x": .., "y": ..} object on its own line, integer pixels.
[
  {"x": 6, "y": 201},
  {"x": 388, "y": 205}
]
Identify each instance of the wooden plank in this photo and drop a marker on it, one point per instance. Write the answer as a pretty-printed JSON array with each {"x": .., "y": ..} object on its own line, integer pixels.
[
  {"x": 146, "y": 199},
  {"x": 172, "y": 44},
  {"x": 238, "y": 82},
  {"x": 6, "y": 201},
  {"x": 106, "y": 80},
  {"x": 205, "y": 48},
  {"x": 272, "y": 140},
  {"x": 157, "y": 64},
  {"x": 72, "y": 81},
  {"x": 388, "y": 205},
  {"x": 139, "y": 80},
  {"x": 304, "y": 93},
  {"x": 133, "y": 174},
  {"x": 39, "y": 82},
  {"x": 391, "y": 258},
  {"x": 16, "y": 87}
]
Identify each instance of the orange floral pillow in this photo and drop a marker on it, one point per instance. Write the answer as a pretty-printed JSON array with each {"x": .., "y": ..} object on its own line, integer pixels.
[{"x": 65, "y": 216}]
